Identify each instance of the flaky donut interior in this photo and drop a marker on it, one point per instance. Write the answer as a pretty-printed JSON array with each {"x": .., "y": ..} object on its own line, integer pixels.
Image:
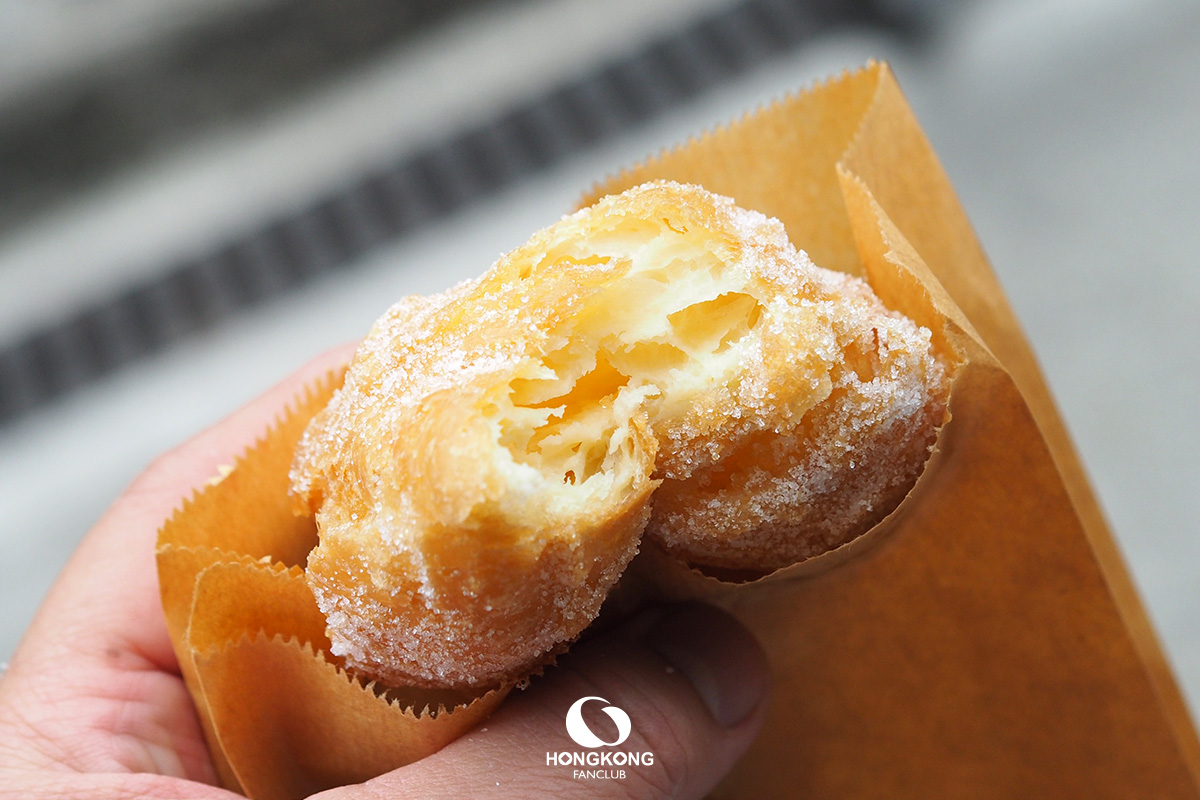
[{"x": 657, "y": 336}]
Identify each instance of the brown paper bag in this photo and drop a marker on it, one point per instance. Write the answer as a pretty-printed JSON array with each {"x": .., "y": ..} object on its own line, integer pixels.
[
  {"x": 984, "y": 640},
  {"x": 281, "y": 718}
]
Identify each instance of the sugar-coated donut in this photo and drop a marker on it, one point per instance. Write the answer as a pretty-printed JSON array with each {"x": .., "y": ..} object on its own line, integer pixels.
[{"x": 662, "y": 361}]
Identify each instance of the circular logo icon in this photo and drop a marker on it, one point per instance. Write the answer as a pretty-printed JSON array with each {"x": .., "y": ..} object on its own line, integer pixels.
[{"x": 578, "y": 730}]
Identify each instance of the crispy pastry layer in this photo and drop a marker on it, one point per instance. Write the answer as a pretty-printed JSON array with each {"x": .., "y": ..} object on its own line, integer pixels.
[{"x": 486, "y": 473}]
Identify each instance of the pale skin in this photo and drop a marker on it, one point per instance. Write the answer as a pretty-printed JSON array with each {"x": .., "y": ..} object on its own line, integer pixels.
[{"x": 93, "y": 706}]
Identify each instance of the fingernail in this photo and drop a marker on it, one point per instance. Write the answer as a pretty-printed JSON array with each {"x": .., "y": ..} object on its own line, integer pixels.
[{"x": 718, "y": 656}]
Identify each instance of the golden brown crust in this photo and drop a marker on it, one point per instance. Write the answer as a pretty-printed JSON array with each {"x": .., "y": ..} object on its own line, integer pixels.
[
  {"x": 486, "y": 472},
  {"x": 782, "y": 497}
]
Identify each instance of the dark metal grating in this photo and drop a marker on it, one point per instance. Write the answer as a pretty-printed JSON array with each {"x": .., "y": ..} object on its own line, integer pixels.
[
  {"x": 430, "y": 183},
  {"x": 97, "y": 117}
]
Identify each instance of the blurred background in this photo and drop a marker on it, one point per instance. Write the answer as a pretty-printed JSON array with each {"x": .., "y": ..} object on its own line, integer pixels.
[{"x": 198, "y": 196}]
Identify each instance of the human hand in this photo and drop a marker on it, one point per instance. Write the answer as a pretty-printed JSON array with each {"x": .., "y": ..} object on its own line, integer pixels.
[{"x": 93, "y": 705}]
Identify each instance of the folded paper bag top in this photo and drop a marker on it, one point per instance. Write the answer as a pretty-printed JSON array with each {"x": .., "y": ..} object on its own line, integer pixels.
[{"x": 984, "y": 639}]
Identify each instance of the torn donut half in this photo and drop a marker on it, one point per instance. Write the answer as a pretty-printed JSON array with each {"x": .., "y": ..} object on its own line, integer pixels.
[{"x": 662, "y": 363}]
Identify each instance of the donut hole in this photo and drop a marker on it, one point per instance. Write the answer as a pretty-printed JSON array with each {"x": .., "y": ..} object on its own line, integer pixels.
[
  {"x": 569, "y": 437},
  {"x": 862, "y": 355},
  {"x": 711, "y": 326}
]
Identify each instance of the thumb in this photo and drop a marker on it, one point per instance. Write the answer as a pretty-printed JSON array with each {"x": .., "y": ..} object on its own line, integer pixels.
[{"x": 690, "y": 680}]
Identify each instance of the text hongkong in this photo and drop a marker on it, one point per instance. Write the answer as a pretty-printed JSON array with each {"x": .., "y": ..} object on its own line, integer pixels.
[{"x": 593, "y": 759}]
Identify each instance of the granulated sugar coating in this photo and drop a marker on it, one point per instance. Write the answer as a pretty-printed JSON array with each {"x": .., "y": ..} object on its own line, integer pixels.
[{"x": 661, "y": 362}]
